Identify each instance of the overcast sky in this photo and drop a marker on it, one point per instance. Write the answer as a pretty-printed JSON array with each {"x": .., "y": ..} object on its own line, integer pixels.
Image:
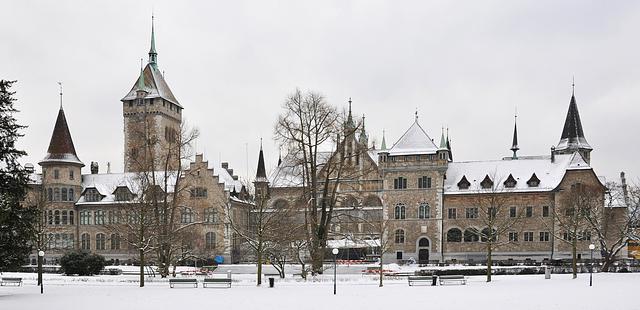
[{"x": 462, "y": 64}]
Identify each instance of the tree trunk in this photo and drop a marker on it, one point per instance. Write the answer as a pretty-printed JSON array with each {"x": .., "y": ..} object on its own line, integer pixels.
[
  {"x": 574, "y": 257},
  {"x": 317, "y": 259},
  {"x": 607, "y": 261},
  {"x": 259, "y": 273},
  {"x": 380, "y": 285},
  {"x": 141, "y": 268},
  {"x": 489, "y": 261}
]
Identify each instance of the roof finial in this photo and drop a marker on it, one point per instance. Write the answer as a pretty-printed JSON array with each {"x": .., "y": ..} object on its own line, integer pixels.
[
  {"x": 573, "y": 85},
  {"x": 514, "y": 145},
  {"x": 416, "y": 115},
  {"x": 60, "y": 84},
  {"x": 153, "y": 55},
  {"x": 261, "y": 143}
]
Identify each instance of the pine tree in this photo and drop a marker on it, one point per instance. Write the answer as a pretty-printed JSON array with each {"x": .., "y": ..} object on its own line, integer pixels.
[{"x": 16, "y": 222}]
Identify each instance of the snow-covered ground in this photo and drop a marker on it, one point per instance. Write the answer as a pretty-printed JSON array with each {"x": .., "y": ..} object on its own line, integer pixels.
[{"x": 610, "y": 291}]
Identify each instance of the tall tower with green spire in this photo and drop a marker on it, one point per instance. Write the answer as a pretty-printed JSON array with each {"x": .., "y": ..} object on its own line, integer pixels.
[{"x": 150, "y": 110}]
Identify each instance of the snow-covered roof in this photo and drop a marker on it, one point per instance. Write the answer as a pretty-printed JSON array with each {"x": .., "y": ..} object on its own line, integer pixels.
[
  {"x": 414, "y": 141},
  {"x": 154, "y": 85},
  {"x": 522, "y": 169},
  {"x": 289, "y": 172},
  {"x": 227, "y": 179},
  {"x": 106, "y": 184}
]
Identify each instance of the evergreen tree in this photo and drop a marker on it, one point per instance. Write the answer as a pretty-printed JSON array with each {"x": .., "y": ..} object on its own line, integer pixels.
[{"x": 16, "y": 222}]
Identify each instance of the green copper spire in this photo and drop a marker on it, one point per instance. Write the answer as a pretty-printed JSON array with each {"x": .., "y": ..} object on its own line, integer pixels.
[
  {"x": 153, "y": 56},
  {"x": 443, "y": 141}
]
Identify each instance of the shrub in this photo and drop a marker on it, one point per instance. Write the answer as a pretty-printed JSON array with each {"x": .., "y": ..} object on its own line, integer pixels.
[{"x": 82, "y": 263}]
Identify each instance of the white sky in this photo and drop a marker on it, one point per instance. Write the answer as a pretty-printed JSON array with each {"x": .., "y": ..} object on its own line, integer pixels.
[{"x": 462, "y": 64}]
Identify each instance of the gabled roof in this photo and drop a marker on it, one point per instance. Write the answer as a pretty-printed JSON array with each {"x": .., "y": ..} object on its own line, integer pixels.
[
  {"x": 550, "y": 173},
  {"x": 61, "y": 147},
  {"x": 414, "y": 141},
  {"x": 572, "y": 133},
  {"x": 154, "y": 85}
]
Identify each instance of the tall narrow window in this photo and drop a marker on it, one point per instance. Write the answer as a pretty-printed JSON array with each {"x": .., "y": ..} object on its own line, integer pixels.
[
  {"x": 545, "y": 211},
  {"x": 186, "y": 216},
  {"x": 424, "y": 182},
  {"x": 399, "y": 236},
  {"x": 56, "y": 215},
  {"x": 65, "y": 217},
  {"x": 85, "y": 242},
  {"x": 452, "y": 213},
  {"x": 115, "y": 241},
  {"x": 71, "y": 195},
  {"x": 56, "y": 174},
  {"x": 210, "y": 241},
  {"x": 400, "y": 212},
  {"x": 64, "y": 194},
  {"x": 100, "y": 241},
  {"x": 512, "y": 211},
  {"x": 71, "y": 218},
  {"x": 49, "y": 194},
  {"x": 56, "y": 194},
  {"x": 71, "y": 176},
  {"x": 424, "y": 212},
  {"x": 400, "y": 183},
  {"x": 529, "y": 212}
]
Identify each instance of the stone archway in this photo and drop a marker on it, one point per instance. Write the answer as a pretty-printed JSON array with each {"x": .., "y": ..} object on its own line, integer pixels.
[{"x": 423, "y": 248}]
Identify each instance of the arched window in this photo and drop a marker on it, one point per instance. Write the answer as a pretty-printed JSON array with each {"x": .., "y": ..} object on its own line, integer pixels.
[
  {"x": 487, "y": 235},
  {"x": 50, "y": 217},
  {"x": 210, "y": 241},
  {"x": 56, "y": 216},
  {"x": 115, "y": 241},
  {"x": 85, "y": 242},
  {"x": 64, "y": 194},
  {"x": 100, "y": 241},
  {"x": 471, "y": 235},
  {"x": 454, "y": 235},
  {"x": 399, "y": 236},
  {"x": 186, "y": 216},
  {"x": 424, "y": 211},
  {"x": 65, "y": 217},
  {"x": 71, "y": 218},
  {"x": 71, "y": 195},
  {"x": 424, "y": 242},
  {"x": 400, "y": 212},
  {"x": 56, "y": 194}
]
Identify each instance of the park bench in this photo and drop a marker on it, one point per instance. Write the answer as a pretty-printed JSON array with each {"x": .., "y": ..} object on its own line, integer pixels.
[
  {"x": 417, "y": 279},
  {"x": 453, "y": 279},
  {"x": 216, "y": 281},
  {"x": 14, "y": 281},
  {"x": 173, "y": 282}
]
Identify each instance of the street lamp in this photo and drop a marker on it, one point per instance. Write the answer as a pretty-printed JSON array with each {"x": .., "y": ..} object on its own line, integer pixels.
[
  {"x": 40, "y": 259},
  {"x": 591, "y": 247},
  {"x": 335, "y": 255}
]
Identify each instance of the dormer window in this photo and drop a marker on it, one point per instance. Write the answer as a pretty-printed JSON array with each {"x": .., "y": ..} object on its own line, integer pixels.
[
  {"x": 510, "y": 182},
  {"x": 92, "y": 195},
  {"x": 486, "y": 183},
  {"x": 464, "y": 183},
  {"x": 122, "y": 193},
  {"x": 533, "y": 181}
]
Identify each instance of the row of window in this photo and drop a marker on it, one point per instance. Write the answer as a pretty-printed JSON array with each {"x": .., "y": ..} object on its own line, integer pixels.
[
  {"x": 400, "y": 211},
  {"x": 56, "y": 174},
  {"x": 60, "y": 241},
  {"x": 59, "y": 217},
  {"x": 101, "y": 242},
  {"x": 487, "y": 183},
  {"x": 187, "y": 216},
  {"x": 401, "y": 182},
  {"x": 473, "y": 212},
  {"x": 60, "y": 194}
]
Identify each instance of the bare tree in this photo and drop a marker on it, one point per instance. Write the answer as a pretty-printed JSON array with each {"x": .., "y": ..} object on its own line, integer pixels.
[
  {"x": 496, "y": 214},
  {"x": 613, "y": 222},
  {"x": 313, "y": 131},
  {"x": 571, "y": 217}
]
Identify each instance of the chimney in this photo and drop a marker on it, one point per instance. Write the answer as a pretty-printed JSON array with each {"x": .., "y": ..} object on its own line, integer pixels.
[
  {"x": 108, "y": 167},
  {"x": 94, "y": 167},
  {"x": 235, "y": 177},
  {"x": 625, "y": 191},
  {"x": 225, "y": 166},
  {"x": 28, "y": 167}
]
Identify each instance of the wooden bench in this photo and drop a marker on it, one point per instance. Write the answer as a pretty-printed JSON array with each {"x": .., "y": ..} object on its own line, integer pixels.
[
  {"x": 13, "y": 281},
  {"x": 417, "y": 279},
  {"x": 216, "y": 281},
  {"x": 173, "y": 282},
  {"x": 452, "y": 279}
]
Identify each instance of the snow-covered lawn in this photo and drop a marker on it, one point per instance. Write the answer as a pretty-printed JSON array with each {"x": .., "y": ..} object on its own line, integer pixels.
[{"x": 610, "y": 291}]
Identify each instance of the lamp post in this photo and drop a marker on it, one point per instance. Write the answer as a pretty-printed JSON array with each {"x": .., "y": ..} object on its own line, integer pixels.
[
  {"x": 591, "y": 247},
  {"x": 335, "y": 255},
  {"x": 40, "y": 282}
]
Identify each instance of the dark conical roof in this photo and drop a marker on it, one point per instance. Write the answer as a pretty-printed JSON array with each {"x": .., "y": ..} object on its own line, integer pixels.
[
  {"x": 514, "y": 144},
  {"x": 261, "y": 173},
  {"x": 572, "y": 133},
  {"x": 61, "y": 147}
]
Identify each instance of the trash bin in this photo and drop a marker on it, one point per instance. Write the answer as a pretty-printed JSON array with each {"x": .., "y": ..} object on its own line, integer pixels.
[
  {"x": 434, "y": 280},
  {"x": 272, "y": 281},
  {"x": 547, "y": 272}
]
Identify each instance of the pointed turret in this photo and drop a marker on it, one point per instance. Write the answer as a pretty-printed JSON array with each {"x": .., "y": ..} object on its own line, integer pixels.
[
  {"x": 153, "y": 55},
  {"x": 61, "y": 149},
  {"x": 449, "y": 146},
  {"x": 572, "y": 138},
  {"x": 383, "y": 146},
  {"x": 364, "y": 138},
  {"x": 514, "y": 144},
  {"x": 349, "y": 125},
  {"x": 261, "y": 174},
  {"x": 261, "y": 183},
  {"x": 443, "y": 141}
]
